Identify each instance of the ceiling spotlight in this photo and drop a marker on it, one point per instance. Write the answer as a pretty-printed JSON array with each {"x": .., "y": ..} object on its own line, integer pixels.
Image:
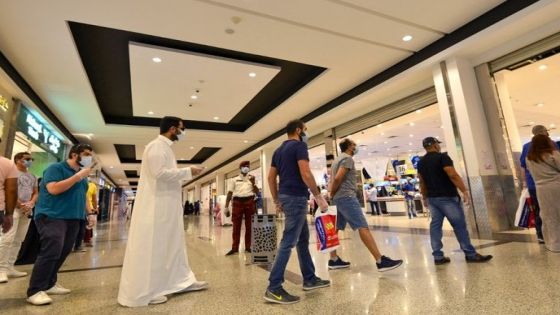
[
  {"x": 543, "y": 67},
  {"x": 229, "y": 31},
  {"x": 245, "y": 141},
  {"x": 382, "y": 133},
  {"x": 252, "y": 74},
  {"x": 194, "y": 97},
  {"x": 385, "y": 142},
  {"x": 380, "y": 125},
  {"x": 411, "y": 124},
  {"x": 540, "y": 105},
  {"x": 552, "y": 125},
  {"x": 531, "y": 123},
  {"x": 407, "y": 38},
  {"x": 111, "y": 166},
  {"x": 411, "y": 135},
  {"x": 418, "y": 111},
  {"x": 150, "y": 113},
  {"x": 216, "y": 118},
  {"x": 191, "y": 147},
  {"x": 410, "y": 143},
  {"x": 156, "y": 59}
]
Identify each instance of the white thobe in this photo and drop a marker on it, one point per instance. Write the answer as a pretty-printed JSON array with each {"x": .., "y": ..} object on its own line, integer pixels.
[{"x": 155, "y": 260}]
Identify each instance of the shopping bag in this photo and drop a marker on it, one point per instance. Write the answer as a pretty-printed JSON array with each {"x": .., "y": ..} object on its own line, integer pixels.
[
  {"x": 522, "y": 201},
  {"x": 325, "y": 228}
]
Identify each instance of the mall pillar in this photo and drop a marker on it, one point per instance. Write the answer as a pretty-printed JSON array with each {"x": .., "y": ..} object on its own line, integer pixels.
[
  {"x": 468, "y": 142},
  {"x": 197, "y": 192},
  {"x": 266, "y": 159},
  {"x": 330, "y": 149},
  {"x": 220, "y": 184}
]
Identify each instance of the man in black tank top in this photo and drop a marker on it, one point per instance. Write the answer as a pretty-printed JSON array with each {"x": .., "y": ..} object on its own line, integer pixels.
[{"x": 439, "y": 182}]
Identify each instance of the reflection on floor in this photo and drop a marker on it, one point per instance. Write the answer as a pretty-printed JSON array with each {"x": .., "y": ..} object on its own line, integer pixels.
[{"x": 522, "y": 278}]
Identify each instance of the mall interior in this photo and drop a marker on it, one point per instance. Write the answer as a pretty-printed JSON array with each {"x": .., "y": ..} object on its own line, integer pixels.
[{"x": 476, "y": 75}]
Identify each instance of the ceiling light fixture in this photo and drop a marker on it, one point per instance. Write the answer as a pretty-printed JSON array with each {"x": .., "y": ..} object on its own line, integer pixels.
[
  {"x": 407, "y": 38},
  {"x": 380, "y": 125},
  {"x": 191, "y": 148},
  {"x": 543, "y": 67},
  {"x": 156, "y": 59},
  {"x": 216, "y": 118},
  {"x": 410, "y": 143},
  {"x": 411, "y": 124},
  {"x": 411, "y": 135},
  {"x": 194, "y": 97},
  {"x": 540, "y": 105},
  {"x": 252, "y": 74},
  {"x": 418, "y": 111},
  {"x": 245, "y": 141},
  {"x": 150, "y": 113},
  {"x": 552, "y": 125},
  {"x": 531, "y": 123}
]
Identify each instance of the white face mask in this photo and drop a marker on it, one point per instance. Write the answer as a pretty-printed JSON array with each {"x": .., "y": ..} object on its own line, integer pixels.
[
  {"x": 86, "y": 161},
  {"x": 182, "y": 135},
  {"x": 245, "y": 170}
]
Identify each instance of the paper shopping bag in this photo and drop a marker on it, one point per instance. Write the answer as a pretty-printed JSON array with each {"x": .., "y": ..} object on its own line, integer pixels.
[{"x": 325, "y": 227}]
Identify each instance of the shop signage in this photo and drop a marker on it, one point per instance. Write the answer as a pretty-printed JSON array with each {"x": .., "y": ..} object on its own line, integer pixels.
[
  {"x": 4, "y": 105},
  {"x": 39, "y": 132}
]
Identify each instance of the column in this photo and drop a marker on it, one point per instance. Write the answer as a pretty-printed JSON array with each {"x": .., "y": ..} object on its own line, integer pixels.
[
  {"x": 220, "y": 184},
  {"x": 197, "y": 192},
  {"x": 266, "y": 159},
  {"x": 468, "y": 142}
]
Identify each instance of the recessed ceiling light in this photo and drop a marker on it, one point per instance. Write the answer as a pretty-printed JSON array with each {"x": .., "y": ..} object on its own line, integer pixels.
[
  {"x": 150, "y": 113},
  {"x": 380, "y": 125},
  {"x": 552, "y": 125},
  {"x": 111, "y": 166},
  {"x": 411, "y": 135},
  {"x": 441, "y": 126},
  {"x": 216, "y": 118},
  {"x": 386, "y": 142},
  {"x": 191, "y": 148},
  {"x": 543, "y": 67},
  {"x": 531, "y": 123},
  {"x": 245, "y": 141},
  {"x": 410, "y": 143},
  {"x": 540, "y": 105},
  {"x": 411, "y": 124},
  {"x": 388, "y": 149},
  {"x": 407, "y": 38},
  {"x": 382, "y": 133},
  {"x": 194, "y": 97},
  {"x": 156, "y": 59},
  {"x": 252, "y": 74},
  {"x": 418, "y": 111}
]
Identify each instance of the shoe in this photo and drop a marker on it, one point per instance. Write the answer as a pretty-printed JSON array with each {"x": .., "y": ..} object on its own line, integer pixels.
[
  {"x": 478, "y": 258},
  {"x": 197, "y": 286},
  {"x": 442, "y": 261},
  {"x": 58, "y": 290},
  {"x": 317, "y": 283},
  {"x": 158, "y": 300},
  {"x": 338, "y": 264},
  {"x": 280, "y": 296},
  {"x": 248, "y": 250},
  {"x": 39, "y": 298},
  {"x": 3, "y": 277},
  {"x": 387, "y": 264},
  {"x": 231, "y": 252},
  {"x": 12, "y": 273},
  {"x": 89, "y": 245},
  {"x": 541, "y": 241},
  {"x": 79, "y": 249}
]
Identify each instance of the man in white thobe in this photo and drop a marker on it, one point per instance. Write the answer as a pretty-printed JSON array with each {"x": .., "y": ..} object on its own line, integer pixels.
[{"x": 155, "y": 260}]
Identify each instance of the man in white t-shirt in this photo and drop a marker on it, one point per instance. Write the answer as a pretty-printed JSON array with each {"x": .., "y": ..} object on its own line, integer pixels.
[{"x": 372, "y": 198}]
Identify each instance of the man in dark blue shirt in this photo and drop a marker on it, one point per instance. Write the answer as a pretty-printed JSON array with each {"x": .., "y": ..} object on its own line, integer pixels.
[
  {"x": 290, "y": 162},
  {"x": 530, "y": 183},
  {"x": 60, "y": 207}
]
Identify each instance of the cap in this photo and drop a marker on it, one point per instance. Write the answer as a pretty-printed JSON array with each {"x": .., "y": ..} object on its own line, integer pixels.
[
  {"x": 244, "y": 163},
  {"x": 429, "y": 141},
  {"x": 539, "y": 130}
]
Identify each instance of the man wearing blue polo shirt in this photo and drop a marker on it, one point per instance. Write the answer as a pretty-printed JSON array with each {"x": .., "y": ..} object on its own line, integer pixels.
[{"x": 60, "y": 207}]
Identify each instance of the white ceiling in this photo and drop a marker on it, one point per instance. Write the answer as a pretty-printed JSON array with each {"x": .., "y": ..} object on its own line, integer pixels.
[
  {"x": 222, "y": 86},
  {"x": 354, "y": 39}
]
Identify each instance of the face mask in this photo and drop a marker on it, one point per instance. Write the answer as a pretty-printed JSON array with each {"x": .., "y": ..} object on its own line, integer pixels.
[
  {"x": 27, "y": 163},
  {"x": 182, "y": 135},
  {"x": 245, "y": 170},
  {"x": 303, "y": 137},
  {"x": 86, "y": 161},
  {"x": 356, "y": 150}
]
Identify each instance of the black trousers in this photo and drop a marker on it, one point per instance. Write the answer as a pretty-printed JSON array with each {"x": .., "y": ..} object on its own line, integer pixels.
[
  {"x": 57, "y": 239},
  {"x": 81, "y": 234},
  {"x": 537, "y": 208},
  {"x": 375, "y": 209}
]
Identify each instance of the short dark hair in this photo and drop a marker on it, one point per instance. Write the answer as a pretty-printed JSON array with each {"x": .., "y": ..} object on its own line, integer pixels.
[
  {"x": 293, "y": 125},
  {"x": 20, "y": 156},
  {"x": 167, "y": 122},
  {"x": 79, "y": 148},
  {"x": 345, "y": 144}
]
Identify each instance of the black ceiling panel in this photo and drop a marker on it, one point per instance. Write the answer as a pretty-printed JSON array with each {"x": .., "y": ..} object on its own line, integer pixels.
[
  {"x": 105, "y": 56},
  {"x": 133, "y": 183},
  {"x": 131, "y": 173},
  {"x": 204, "y": 154},
  {"x": 127, "y": 154}
]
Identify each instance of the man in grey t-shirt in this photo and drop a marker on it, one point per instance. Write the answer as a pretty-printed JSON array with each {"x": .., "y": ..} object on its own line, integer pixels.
[{"x": 343, "y": 189}]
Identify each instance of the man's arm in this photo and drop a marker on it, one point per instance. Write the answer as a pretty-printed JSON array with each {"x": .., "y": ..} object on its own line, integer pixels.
[
  {"x": 57, "y": 188},
  {"x": 273, "y": 186},
  {"x": 94, "y": 201},
  {"x": 11, "y": 195},
  {"x": 337, "y": 180},
  {"x": 307, "y": 177},
  {"x": 458, "y": 182},
  {"x": 228, "y": 198}
]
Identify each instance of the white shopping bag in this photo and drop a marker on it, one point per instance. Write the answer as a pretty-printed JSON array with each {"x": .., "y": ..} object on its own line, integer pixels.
[{"x": 522, "y": 200}]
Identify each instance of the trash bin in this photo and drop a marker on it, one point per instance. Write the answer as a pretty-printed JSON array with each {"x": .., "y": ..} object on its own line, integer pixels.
[{"x": 263, "y": 239}]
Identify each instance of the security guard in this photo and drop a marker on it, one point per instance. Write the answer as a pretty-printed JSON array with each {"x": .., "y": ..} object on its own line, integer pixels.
[{"x": 242, "y": 191}]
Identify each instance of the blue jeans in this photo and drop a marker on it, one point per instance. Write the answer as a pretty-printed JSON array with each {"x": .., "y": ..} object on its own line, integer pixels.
[
  {"x": 452, "y": 209},
  {"x": 349, "y": 210},
  {"x": 296, "y": 233},
  {"x": 410, "y": 207}
]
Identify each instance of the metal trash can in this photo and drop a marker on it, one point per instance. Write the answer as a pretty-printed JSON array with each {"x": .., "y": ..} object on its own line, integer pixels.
[{"x": 263, "y": 239}]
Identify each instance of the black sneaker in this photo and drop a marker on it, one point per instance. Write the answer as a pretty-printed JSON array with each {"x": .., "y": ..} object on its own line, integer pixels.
[
  {"x": 316, "y": 284},
  {"x": 280, "y": 296},
  {"x": 338, "y": 264},
  {"x": 478, "y": 258},
  {"x": 541, "y": 240},
  {"x": 248, "y": 250},
  {"x": 442, "y": 261},
  {"x": 231, "y": 252},
  {"x": 387, "y": 264}
]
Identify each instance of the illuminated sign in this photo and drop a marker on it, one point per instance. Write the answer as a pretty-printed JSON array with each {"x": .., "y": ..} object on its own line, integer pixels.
[
  {"x": 39, "y": 132},
  {"x": 4, "y": 103}
]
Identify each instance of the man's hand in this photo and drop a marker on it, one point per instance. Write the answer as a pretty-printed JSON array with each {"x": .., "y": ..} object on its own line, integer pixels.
[
  {"x": 92, "y": 220},
  {"x": 84, "y": 172},
  {"x": 196, "y": 170},
  {"x": 278, "y": 206},
  {"x": 7, "y": 224},
  {"x": 466, "y": 198},
  {"x": 425, "y": 203},
  {"x": 322, "y": 203}
]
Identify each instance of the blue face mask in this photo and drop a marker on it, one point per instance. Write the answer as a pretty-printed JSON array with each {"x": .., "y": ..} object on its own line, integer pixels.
[
  {"x": 303, "y": 137},
  {"x": 86, "y": 161},
  {"x": 27, "y": 163},
  {"x": 245, "y": 170},
  {"x": 356, "y": 150}
]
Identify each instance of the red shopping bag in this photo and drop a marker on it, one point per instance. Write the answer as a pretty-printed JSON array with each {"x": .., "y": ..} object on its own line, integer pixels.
[{"x": 325, "y": 227}]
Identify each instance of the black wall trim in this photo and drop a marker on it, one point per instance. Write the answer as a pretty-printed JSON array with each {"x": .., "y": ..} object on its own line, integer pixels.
[
  {"x": 7, "y": 66},
  {"x": 480, "y": 23},
  {"x": 105, "y": 55},
  {"x": 127, "y": 154},
  {"x": 131, "y": 174}
]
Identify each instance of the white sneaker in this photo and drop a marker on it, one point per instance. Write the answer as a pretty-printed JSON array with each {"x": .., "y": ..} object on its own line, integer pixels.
[
  {"x": 12, "y": 273},
  {"x": 197, "y": 286},
  {"x": 58, "y": 290},
  {"x": 3, "y": 277},
  {"x": 158, "y": 300},
  {"x": 39, "y": 298}
]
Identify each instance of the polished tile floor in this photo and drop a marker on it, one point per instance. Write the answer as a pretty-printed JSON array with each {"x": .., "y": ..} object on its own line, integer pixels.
[{"x": 523, "y": 278}]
